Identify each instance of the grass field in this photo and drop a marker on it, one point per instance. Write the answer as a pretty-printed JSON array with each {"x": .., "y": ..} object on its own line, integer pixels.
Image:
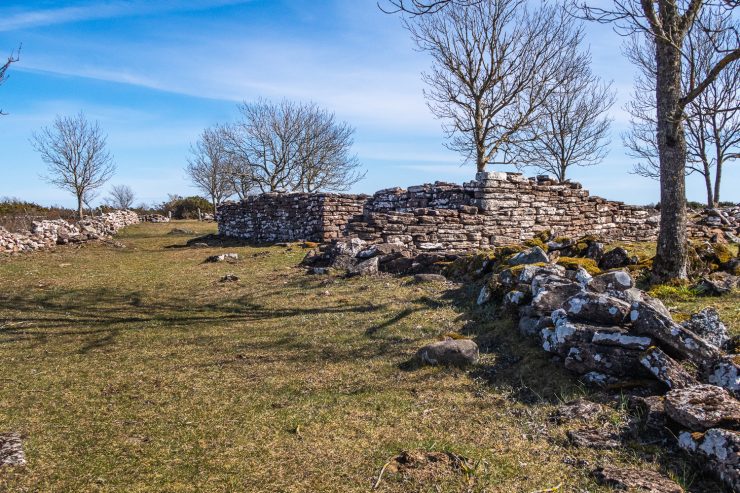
[{"x": 136, "y": 370}]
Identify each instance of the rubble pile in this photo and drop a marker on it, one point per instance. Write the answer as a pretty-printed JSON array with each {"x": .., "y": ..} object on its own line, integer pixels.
[
  {"x": 49, "y": 233},
  {"x": 616, "y": 336}
]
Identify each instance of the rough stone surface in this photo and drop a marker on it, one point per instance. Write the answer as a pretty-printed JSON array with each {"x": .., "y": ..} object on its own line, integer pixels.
[
  {"x": 11, "y": 450},
  {"x": 700, "y": 407},
  {"x": 725, "y": 372},
  {"x": 598, "y": 438},
  {"x": 721, "y": 448},
  {"x": 613, "y": 361},
  {"x": 707, "y": 325},
  {"x": 636, "y": 480},
  {"x": 450, "y": 352},
  {"x": 718, "y": 283},
  {"x": 652, "y": 411},
  {"x": 596, "y": 308},
  {"x": 534, "y": 255},
  {"x": 615, "y": 258},
  {"x": 649, "y": 321},
  {"x": 580, "y": 409},
  {"x": 619, "y": 280},
  {"x": 666, "y": 369},
  {"x": 367, "y": 267}
]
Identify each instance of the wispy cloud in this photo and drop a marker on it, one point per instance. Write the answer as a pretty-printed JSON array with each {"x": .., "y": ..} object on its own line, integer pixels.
[{"x": 12, "y": 20}]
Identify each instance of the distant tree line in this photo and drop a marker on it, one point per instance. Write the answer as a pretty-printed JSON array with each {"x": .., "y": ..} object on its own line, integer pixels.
[{"x": 274, "y": 147}]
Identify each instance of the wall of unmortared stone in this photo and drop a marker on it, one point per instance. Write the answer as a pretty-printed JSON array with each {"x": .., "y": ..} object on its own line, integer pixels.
[
  {"x": 272, "y": 217},
  {"x": 495, "y": 209}
]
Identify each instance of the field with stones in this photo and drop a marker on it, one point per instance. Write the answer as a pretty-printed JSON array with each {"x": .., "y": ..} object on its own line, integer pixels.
[{"x": 131, "y": 366}]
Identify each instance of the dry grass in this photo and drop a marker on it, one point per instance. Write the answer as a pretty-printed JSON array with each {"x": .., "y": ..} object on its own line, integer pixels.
[{"x": 134, "y": 370}]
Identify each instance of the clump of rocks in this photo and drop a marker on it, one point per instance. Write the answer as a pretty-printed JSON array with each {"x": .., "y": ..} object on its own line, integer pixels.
[
  {"x": 357, "y": 257},
  {"x": 614, "y": 335},
  {"x": 49, "y": 233}
]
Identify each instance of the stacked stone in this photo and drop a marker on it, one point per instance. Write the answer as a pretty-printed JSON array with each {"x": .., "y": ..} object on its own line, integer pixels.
[
  {"x": 154, "y": 218},
  {"x": 49, "y": 233},
  {"x": 615, "y": 335},
  {"x": 272, "y": 217}
]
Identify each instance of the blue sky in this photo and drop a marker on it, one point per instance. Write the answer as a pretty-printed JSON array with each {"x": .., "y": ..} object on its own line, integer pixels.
[{"x": 155, "y": 73}]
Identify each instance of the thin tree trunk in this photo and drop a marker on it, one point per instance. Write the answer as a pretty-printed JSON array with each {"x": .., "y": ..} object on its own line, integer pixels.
[
  {"x": 708, "y": 184},
  {"x": 717, "y": 179},
  {"x": 671, "y": 257},
  {"x": 80, "y": 211}
]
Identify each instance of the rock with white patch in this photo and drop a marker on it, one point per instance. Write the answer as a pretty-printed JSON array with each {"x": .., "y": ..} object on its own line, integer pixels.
[
  {"x": 614, "y": 361},
  {"x": 367, "y": 267},
  {"x": 725, "y": 373},
  {"x": 11, "y": 450},
  {"x": 700, "y": 407},
  {"x": 721, "y": 449},
  {"x": 619, "y": 280},
  {"x": 596, "y": 308},
  {"x": 621, "y": 339},
  {"x": 666, "y": 369},
  {"x": 646, "y": 320},
  {"x": 707, "y": 325},
  {"x": 484, "y": 296},
  {"x": 551, "y": 296}
]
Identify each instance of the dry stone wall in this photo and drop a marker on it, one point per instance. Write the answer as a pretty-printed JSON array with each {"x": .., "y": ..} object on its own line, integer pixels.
[
  {"x": 272, "y": 217},
  {"x": 49, "y": 233},
  {"x": 495, "y": 209}
]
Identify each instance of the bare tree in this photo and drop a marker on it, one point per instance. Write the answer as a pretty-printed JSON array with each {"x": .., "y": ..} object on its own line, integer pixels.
[
  {"x": 572, "y": 128},
  {"x": 4, "y": 69},
  {"x": 421, "y": 7},
  {"x": 289, "y": 146},
  {"x": 75, "y": 153},
  {"x": 494, "y": 65},
  {"x": 667, "y": 23},
  {"x": 121, "y": 197},
  {"x": 712, "y": 120},
  {"x": 208, "y": 167}
]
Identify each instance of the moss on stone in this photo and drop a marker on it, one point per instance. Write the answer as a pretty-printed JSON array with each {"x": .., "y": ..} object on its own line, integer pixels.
[
  {"x": 574, "y": 262},
  {"x": 536, "y": 242}
]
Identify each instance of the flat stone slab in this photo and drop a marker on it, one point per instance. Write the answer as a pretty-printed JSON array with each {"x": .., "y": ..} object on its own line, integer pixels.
[
  {"x": 700, "y": 407},
  {"x": 11, "y": 450},
  {"x": 637, "y": 480}
]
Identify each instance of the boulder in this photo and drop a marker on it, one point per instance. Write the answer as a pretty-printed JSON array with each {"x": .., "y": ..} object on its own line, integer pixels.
[
  {"x": 565, "y": 335},
  {"x": 595, "y": 251},
  {"x": 700, "y": 407},
  {"x": 450, "y": 352},
  {"x": 615, "y": 258},
  {"x": 484, "y": 296},
  {"x": 721, "y": 448},
  {"x": 367, "y": 267},
  {"x": 637, "y": 480},
  {"x": 666, "y": 369},
  {"x": 619, "y": 280},
  {"x": 11, "y": 450},
  {"x": 718, "y": 283},
  {"x": 596, "y": 308},
  {"x": 707, "y": 325},
  {"x": 534, "y": 255},
  {"x": 647, "y": 320}
]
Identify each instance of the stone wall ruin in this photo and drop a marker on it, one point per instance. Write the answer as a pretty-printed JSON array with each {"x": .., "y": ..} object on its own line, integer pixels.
[{"x": 495, "y": 209}]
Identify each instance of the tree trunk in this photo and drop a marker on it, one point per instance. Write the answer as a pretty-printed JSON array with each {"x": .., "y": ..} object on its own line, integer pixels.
[
  {"x": 708, "y": 184},
  {"x": 717, "y": 180},
  {"x": 671, "y": 257},
  {"x": 80, "y": 211}
]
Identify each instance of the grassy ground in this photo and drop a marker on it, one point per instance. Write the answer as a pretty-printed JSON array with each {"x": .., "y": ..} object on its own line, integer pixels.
[{"x": 135, "y": 369}]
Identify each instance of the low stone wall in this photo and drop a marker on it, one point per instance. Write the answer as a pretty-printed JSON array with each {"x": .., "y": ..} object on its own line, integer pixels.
[
  {"x": 274, "y": 217},
  {"x": 49, "y": 233},
  {"x": 496, "y": 209}
]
